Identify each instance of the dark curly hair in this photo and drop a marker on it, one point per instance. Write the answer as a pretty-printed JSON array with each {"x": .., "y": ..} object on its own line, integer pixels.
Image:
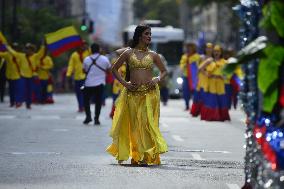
[{"x": 138, "y": 33}]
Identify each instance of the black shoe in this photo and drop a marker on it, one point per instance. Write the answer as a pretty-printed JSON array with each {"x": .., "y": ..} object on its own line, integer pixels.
[
  {"x": 87, "y": 120},
  {"x": 97, "y": 122}
]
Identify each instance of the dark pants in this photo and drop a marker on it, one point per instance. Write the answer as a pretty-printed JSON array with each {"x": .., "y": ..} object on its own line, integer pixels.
[
  {"x": 14, "y": 91},
  {"x": 26, "y": 87},
  {"x": 164, "y": 91},
  {"x": 89, "y": 93},
  {"x": 36, "y": 89},
  {"x": 43, "y": 90},
  {"x": 185, "y": 91},
  {"x": 79, "y": 93},
  {"x": 2, "y": 88}
]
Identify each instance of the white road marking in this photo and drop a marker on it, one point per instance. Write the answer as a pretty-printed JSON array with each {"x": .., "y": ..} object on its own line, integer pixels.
[
  {"x": 177, "y": 138},
  {"x": 7, "y": 117},
  {"x": 221, "y": 152},
  {"x": 197, "y": 156},
  {"x": 54, "y": 108},
  {"x": 233, "y": 186},
  {"x": 45, "y": 117},
  {"x": 34, "y": 153},
  {"x": 203, "y": 151},
  {"x": 60, "y": 130},
  {"x": 17, "y": 153}
]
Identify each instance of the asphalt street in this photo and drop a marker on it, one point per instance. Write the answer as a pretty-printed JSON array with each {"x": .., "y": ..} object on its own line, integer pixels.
[{"x": 48, "y": 147}]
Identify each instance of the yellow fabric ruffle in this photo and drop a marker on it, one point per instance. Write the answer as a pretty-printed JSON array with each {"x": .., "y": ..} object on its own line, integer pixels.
[{"x": 135, "y": 127}]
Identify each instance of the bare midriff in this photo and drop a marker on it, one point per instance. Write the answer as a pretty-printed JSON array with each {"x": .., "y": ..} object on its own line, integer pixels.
[{"x": 140, "y": 76}]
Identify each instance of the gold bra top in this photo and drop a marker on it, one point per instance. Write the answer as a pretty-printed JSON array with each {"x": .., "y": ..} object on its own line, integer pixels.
[{"x": 145, "y": 63}]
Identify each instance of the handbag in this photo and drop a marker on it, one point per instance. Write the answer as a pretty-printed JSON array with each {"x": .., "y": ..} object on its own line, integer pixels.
[{"x": 94, "y": 63}]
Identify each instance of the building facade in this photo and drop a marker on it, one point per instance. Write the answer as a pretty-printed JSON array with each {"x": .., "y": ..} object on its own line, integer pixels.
[
  {"x": 110, "y": 17},
  {"x": 214, "y": 23}
]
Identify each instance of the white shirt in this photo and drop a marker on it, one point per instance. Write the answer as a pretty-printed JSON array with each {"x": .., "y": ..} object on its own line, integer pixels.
[{"x": 96, "y": 76}]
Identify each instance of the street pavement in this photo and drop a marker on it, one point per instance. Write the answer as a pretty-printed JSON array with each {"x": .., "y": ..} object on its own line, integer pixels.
[{"x": 48, "y": 147}]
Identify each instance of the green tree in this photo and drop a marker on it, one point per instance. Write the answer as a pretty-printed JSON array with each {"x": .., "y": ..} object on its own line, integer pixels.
[
  {"x": 208, "y": 2},
  {"x": 270, "y": 54},
  {"x": 33, "y": 24},
  {"x": 164, "y": 10}
]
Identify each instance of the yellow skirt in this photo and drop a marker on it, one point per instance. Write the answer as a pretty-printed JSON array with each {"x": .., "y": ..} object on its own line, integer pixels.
[{"x": 135, "y": 127}]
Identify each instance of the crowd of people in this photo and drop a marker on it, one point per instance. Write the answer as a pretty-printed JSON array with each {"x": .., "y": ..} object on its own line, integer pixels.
[
  {"x": 28, "y": 74},
  {"x": 139, "y": 83},
  {"x": 212, "y": 92}
]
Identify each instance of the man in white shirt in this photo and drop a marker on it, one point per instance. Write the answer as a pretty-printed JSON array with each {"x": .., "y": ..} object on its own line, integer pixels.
[{"x": 96, "y": 66}]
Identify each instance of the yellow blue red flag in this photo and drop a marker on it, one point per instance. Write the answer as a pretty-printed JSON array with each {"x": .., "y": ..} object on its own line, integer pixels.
[
  {"x": 2, "y": 38},
  {"x": 63, "y": 40},
  {"x": 192, "y": 75},
  {"x": 3, "y": 41}
]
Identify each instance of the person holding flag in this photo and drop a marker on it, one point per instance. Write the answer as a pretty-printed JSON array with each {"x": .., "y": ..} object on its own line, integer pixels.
[
  {"x": 75, "y": 67},
  {"x": 61, "y": 41},
  {"x": 215, "y": 106},
  {"x": 202, "y": 85},
  {"x": 27, "y": 62},
  {"x": 45, "y": 64},
  {"x": 13, "y": 75},
  {"x": 13, "y": 72},
  {"x": 189, "y": 66},
  {"x": 33, "y": 58}
]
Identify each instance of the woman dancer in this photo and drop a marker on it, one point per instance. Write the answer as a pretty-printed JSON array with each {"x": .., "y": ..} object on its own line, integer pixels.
[{"x": 135, "y": 128}]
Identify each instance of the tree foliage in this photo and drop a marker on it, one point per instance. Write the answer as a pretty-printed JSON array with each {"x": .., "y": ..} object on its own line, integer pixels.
[
  {"x": 271, "y": 57},
  {"x": 207, "y": 2},
  {"x": 165, "y": 10},
  {"x": 33, "y": 24},
  {"x": 274, "y": 17}
]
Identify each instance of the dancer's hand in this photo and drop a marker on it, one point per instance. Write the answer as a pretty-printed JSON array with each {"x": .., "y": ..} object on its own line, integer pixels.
[
  {"x": 152, "y": 84},
  {"x": 131, "y": 86}
]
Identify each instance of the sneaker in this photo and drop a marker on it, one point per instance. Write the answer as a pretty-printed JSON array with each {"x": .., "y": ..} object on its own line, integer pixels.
[
  {"x": 18, "y": 105},
  {"x": 97, "y": 122},
  {"x": 80, "y": 110},
  {"x": 87, "y": 120}
]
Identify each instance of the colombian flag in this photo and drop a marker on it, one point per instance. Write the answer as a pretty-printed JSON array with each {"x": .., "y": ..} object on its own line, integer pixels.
[
  {"x": 3, "y": 41},
  {"x": 192, "y": 75},
  {"x": 63, "y": 40}
]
